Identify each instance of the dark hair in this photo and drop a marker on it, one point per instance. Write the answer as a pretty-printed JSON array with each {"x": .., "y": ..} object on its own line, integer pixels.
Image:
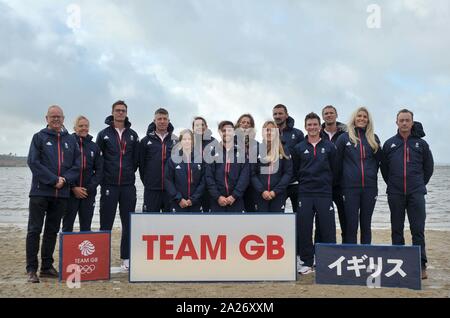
[
  {"x": 329, "y": 106},
  {"x": 225, "y": 123},
  {"x": 161, "y": 111},
  {"x": 404, "y": 110},
  {"x": 119, "y": 102},
  {"x": 199, "y": 118},
  {"x": 281, "y": 106},
  {"x": 252, "y": 120},
  {"x": 312, "y": 116}
]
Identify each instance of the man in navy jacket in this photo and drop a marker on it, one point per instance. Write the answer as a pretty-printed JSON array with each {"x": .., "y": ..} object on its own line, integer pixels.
[
  {"x": 407, "y": 168},
  {"x": 54, "y": 160},
  {"x": 120, "y": 147},
  {"x": 155, "y": 150}
]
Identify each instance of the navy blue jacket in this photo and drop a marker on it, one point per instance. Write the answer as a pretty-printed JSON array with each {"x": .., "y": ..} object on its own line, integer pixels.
[
  {"x": 277, "y": 181},
  {"x": 290, "y": 137},
  {"x": 185, "y": 181},
  {"x": 317, "y": 167},
  {"x": 120, "y": 155},
  {"x": 407, "y": 164},
  {"x": 341, "y": 129},
  {"x": 225, "y": 179},
  {"x": 53, "y": 155},
  {"x": 153, "y": 156},
  {"x": 357, "y": 164},
  {"x": 91, "y": 164}
]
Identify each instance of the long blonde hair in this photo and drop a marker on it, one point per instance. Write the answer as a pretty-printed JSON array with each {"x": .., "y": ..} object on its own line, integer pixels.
[
  {"x": 272, "y": 156},
  {"x": 370, "y": 135}
]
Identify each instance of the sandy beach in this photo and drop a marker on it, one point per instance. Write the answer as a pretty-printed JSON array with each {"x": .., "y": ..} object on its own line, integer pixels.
[{"x": 13, "y": 278}]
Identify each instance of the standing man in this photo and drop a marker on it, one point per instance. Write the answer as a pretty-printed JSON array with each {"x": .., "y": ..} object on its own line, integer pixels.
[
  {"x": 316, "y": 161},
  {"x": 155, "y": 150},
  {"x": 290, "y": 137},
  {"x": 331, "y": 130},
  {"x": 120, "y": 147},
  {"x": 407, "y": 168},
  {"x": 54, "y": 160}
]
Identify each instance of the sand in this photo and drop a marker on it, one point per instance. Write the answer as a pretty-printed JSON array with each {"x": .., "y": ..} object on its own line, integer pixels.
[{"x": 13, "y": 278}]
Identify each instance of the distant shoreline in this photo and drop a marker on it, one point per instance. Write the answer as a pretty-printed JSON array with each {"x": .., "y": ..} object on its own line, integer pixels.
[{"x": 8, "y": 161}]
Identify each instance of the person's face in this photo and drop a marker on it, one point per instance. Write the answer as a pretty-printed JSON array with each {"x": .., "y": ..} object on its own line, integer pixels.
[
  {"x": 55, "y": 119},
  {"x": 405, "y": 122},
  {"x": 82, "y": 128},
  {"x": 245, "y": 123},
  {"x": 280, "y": 116},
  {"x": 199, "y": 127},
  {"x": 312, "y": 126},
  {"x": 186, "y": 142},
  {"x": 227, "y": 133},
  {"x": 161, "y": 122},
  {"x": 269, "y": 132},
  {"x": 329, "y": 116},
  {"x": 361, "y": 120},
  {"x": 119, "y": 113}
]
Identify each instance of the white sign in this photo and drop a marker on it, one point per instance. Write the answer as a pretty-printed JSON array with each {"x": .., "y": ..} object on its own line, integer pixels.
[{"x": 211, "y": 247}]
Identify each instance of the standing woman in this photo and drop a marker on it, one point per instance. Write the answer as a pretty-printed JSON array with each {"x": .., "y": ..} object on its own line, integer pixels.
[
  {"x": 272, "y": 173},
  {"x": 184, "y": 180},
  {"x": 359, "y": 157},
  {"x": 245, "y": 140},
  {"x": 82, "y": 194}
]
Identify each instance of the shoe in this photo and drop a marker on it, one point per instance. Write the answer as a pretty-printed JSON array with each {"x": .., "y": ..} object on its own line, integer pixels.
[
  {"x": 424, "y": 273},
  {"x": 299, "y": 263},
  {"x": 33, "y": 278},
  {"x": 305, "y": 270},
  {"x": 50, "y": 273},
  {"x": 125, "y": 265}
]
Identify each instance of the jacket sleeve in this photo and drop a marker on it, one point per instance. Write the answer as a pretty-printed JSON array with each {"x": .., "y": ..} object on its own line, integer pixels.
[
  {"x": 211, "y": 181},
  {"x": 136, "y": 153},
  {"x": 196, "y": 197},
  {"x": 295, "y": 162},
  {"x": 98, "y": 171},
  {"x": 286, "y": 178},
  {"x": 40, "y": 171},
  {"x": 73, "y": 173},
  {"x": 385, "y": 163},
  {"x": 379, "y": 154},
  {"x": 256, "y": 183},
  {"x": 142, "y": 154},
  {"x": 169, "y": 182},
  {"x": 428, "y": 164},
  {"x": 340, "y": 152},
  {"x": 243, "y": 181},
  {"x": 333, "y": 161}
]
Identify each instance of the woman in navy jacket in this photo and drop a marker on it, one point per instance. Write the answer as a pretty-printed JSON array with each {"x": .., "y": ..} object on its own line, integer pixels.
[
  {"x": 184, "y": 179},
  {"x": 359, "y": 157},
  {"x": 83, "y": 192},
  {"x": 272, "y": 172}
]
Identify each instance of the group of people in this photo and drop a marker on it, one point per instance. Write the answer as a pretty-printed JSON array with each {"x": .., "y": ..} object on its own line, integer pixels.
[{"x": 194, "y": 172}]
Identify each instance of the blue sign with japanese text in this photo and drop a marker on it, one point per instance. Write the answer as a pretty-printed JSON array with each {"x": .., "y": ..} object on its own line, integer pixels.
[{"x": 373, "y": 266}]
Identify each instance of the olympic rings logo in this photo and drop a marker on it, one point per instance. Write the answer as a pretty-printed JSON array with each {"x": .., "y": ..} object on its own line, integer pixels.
[{"x": 87, "y": 269}]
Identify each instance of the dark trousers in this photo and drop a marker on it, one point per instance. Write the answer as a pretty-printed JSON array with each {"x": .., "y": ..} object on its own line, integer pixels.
[
  {"x": 125, "y": 196},
  {"x": 292, "y": 194},
  {"x": 249, "y": 200},
  {"x": 414, "y": 205},
  {"x": 206, "y": 202},
  {"x": 156, "y": 201},
  {"x": 51, "y": 210},
  {"x": 238, "y": 207},
  {"x": 275, "y": 205},
  {"x": 359, "y": 205},
  {"x": 337, "y": 199},
  {"x": 310, "y": 207},
  {"x": 85, "y": 210},
  {"x": 175, "y": 207}
]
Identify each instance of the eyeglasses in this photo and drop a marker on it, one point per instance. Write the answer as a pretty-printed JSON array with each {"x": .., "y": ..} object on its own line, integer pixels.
[{"x": 120, "y": 110}]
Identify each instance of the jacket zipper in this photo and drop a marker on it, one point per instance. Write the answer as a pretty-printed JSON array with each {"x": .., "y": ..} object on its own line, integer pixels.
[
  {"x": 227, "y": 170},
  {"x": 189, "y": 180},
  {"x": 82, "y": 162},
  {"x": 122, "y": 148},
  {"x": 268, "y": 178},
  {"x": 59, "y": 161},
  {"x": 163, "y": 158},
  {"x": 362, "y": 157},
  {"x": 405, "y": 160}
]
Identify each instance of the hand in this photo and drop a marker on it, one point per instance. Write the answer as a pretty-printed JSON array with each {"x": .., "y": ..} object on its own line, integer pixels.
[
  {"x": 189, "y": 203},
  {"x": 222, "y": 201},
  {"x": 183, "y": 204},
  {"x": 266, "y": 196},
  {"x": 273, "y": 195},
  {"x": 80, "y": 193},
  {"x": 231, "y": 200},
  {"x": 60, "y": 184}
]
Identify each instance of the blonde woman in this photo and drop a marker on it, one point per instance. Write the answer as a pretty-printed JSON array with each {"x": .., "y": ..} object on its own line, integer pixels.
[
  {"x": 359, "y": 157},
  {"x": 273, "y": 171}
]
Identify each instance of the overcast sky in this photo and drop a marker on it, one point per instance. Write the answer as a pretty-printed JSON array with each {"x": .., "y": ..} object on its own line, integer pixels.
[{"x": 221, "y": 58}]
